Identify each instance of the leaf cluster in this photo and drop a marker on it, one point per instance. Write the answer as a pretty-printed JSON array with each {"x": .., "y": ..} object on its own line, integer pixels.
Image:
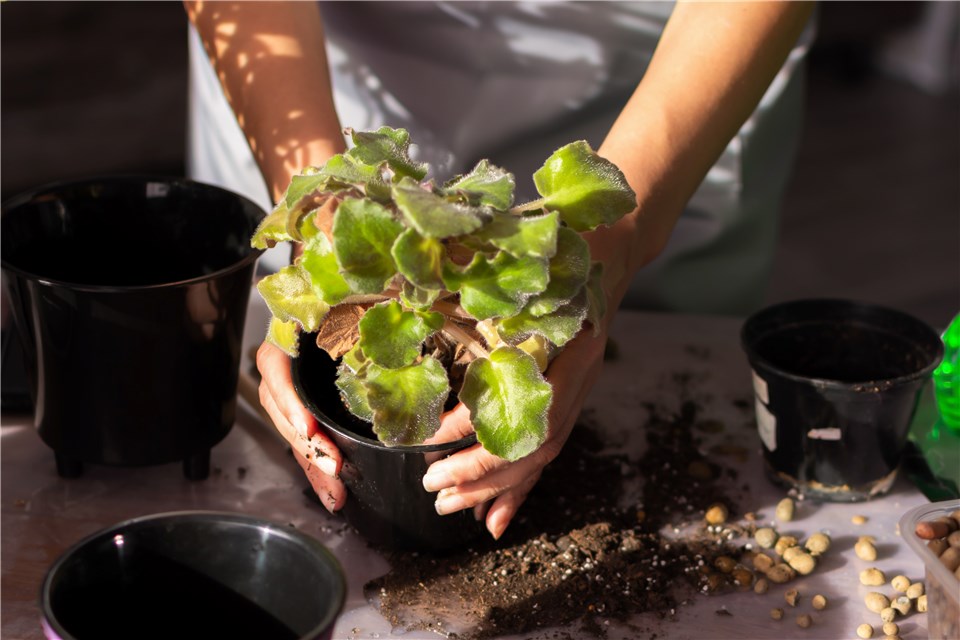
[{"x": 421, "y": 289}]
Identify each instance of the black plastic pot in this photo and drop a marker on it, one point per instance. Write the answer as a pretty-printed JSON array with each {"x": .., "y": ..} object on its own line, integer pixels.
[
  {"x": 387, "y": 504},
  {"x": 193, "y": 574},
  {"x": 837, "y": 384},
  {"x": 130, "y": 296}
]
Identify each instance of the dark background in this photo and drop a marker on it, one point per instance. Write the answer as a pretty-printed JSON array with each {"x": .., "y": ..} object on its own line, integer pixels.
[{"x": 872, "y": 212}]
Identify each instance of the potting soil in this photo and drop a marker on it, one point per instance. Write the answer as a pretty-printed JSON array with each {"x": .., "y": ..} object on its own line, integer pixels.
[{"x": 602, "y": 537}]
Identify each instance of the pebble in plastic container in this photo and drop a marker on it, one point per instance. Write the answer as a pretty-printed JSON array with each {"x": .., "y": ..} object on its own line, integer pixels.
[{"x": 942, "y": 587}]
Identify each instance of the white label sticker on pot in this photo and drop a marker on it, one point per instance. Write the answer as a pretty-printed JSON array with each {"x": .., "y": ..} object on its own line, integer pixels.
[
  {"x": 830, "y": 433},
  {"x": 760, "y": 388},
  {"x": 766, "y": 425},
  {"x": 157, "y": 189}
]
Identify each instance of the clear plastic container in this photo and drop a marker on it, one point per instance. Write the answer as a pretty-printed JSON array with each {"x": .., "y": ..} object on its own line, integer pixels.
[{"x": 941, "y": 586}]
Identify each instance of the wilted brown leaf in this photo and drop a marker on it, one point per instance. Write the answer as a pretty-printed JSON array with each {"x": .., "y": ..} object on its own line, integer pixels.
[{"x": 339, "y": 330}]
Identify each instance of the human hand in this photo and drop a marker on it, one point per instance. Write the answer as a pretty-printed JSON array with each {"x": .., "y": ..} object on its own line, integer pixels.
[
  {"x": 313, "y": 449},
  {"x": 493, "y": 487}
]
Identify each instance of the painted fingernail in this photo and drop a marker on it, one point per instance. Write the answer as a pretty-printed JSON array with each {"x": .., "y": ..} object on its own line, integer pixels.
[
  {"x": 449, "y": 503},
  {"x": 436, "y": 480},
  {"x": 327, "y": 465}
]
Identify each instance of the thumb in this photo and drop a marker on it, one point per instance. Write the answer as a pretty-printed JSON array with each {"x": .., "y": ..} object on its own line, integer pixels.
[{"x": 454, "y": 424}]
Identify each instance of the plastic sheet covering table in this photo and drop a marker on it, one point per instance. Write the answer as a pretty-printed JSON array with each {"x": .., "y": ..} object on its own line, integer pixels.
[{"x": 253, "y": 472}]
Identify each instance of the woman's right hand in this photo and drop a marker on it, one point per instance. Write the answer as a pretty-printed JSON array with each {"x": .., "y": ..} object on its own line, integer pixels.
[{"x": 313, "y": 449}]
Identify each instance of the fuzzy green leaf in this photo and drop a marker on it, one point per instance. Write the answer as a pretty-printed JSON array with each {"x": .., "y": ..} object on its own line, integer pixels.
[
  {"x": 432, "y": 215},
  {"x": 508, "y": 400},
  {"x": 596, "y": 297},
  {"x": 569, "y": 269},
  {"x": 485, "y": 185},
  {"x": 355, "y": 359},
  {"x": 303, "y": 185},
  {"x": 559, "y": 327},
  {"x": 353, "y": 392},
  {"x": 307, "y": 228},
  {"x": 363, "y": 235},
  {"x": 586, "y": 189},
  {"x": 319, "y": 261},
  {"x": 416, "y": 297},
  {"x": 391, "y": 337},
  {"x": 432, "y": 319},
  {"x": 273, "y": 229},
  {"x": 406, "y": 402},
  {"x": 498, "y": 287},
  {"x": 284, "y": 335},
  {"x": 523, "y": 236},
  {"x": 420, "y": 259},
  {"x": 290, "y": 296},
  {"x": 386, "y": 145},
  {"x": 349, "y": 169}
]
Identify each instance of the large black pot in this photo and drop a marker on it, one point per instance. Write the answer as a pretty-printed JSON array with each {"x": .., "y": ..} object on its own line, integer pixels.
[
  {"x": 387, "y": 503},
  {"x": 193, "y": 574},
  {"x": 130, "y": 296}
]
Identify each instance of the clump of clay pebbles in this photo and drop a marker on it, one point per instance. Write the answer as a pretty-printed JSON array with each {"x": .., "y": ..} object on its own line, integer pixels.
[
  {"x": 779, "y": 558},
  {"x": 790, "y": 558}
]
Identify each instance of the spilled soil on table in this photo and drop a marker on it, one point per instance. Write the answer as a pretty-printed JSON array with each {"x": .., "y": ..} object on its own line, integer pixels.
[{"x": 587, "y": 548}]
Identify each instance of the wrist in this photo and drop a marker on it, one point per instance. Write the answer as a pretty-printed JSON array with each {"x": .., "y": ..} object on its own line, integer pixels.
[{"x": 613, "y": 247}]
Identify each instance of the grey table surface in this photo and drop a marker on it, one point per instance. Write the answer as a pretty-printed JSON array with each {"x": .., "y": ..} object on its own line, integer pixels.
[{"x": 42, "y": 514}]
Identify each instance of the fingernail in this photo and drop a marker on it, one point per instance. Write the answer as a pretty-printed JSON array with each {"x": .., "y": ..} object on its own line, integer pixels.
[
  {"x": 301, "y": 427},
  {"x": 449, "y": 503},
  {"x": 497, "y": 528},
  {"x": 480, "y": 511},
  {"x": 436, "y": 480},
  {"x": 330, "y": 502},
  {"x": 327, "y": 465}
]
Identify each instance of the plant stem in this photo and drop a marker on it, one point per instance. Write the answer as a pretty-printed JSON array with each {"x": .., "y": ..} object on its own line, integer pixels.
[
  {"x": 530, "y": 206},
  {"x": 451, "y": 309},
  {"x": 451, "y": 329},
  {"x": 367, "y": 298}
]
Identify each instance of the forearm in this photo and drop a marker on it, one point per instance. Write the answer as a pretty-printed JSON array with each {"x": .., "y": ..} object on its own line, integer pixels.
[
  {"x": 711, "y": 68},
  {"x": 271, "y": 62}
]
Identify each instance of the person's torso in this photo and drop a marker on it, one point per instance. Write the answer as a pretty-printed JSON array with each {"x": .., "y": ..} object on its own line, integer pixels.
[{"x": 475, "y": 80}]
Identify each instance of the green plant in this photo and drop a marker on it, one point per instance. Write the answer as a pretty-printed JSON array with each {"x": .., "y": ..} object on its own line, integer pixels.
[{"x": 421, "y": 289}]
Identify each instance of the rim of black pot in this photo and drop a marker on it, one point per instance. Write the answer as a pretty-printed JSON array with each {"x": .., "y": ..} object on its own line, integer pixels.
[
  {"x": 290, "y": 533},
  {"x": 26, "y": 196},
  {"x": 860, "y": 309},
  {"x": 329, "y": 423}
]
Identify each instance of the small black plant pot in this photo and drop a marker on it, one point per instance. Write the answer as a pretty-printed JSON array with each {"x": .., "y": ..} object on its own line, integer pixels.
[
  {"x": 193, "y": 574},
  {"x": 130, "y": 296},
  {"x": 387, "y": 504},
  {"x": 837, "y": 384}
]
